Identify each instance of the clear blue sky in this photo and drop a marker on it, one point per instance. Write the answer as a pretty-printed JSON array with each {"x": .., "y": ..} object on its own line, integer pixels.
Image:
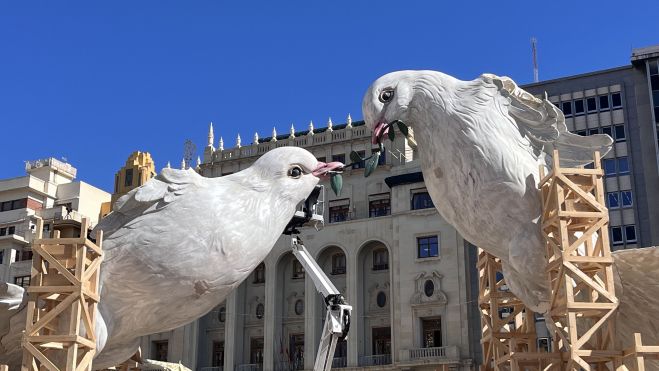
[{"x": 93, "y": 81}]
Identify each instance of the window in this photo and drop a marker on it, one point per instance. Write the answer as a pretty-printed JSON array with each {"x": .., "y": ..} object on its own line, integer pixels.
[
  {"x": 5, "y": 206},
  {"x": 630, "y": 233},
  {"x": 23, "y": 255},
  {"x": 421, "y": 200},
  {"x": 616, "y": 236},
  {"x": 299, "y": 307},
  {"x": 2, "y": 255},
  {"x": 381, "y": 299},
  {"x": 260, "y": 310},
  {"x": 116, "y": 183},
  {"x": 591, "y": 104},
  {"x": 432, "y": 333},
  {"x": 296, "y": 356},
  {"x": 128, "y": 179},
  {"x": 218, "y": 354},
  {"x": 379, "y": 205},
  {"x": 626, "y": 197},
  {"x": 623, "y": 166},
  {"x": 609, "y": 166},
  {"x": 339, "y": 263},
  {"x": 360, "y": 164},
  {"x": 566, "y": 107},
  {"x": 160, "y": 349},
  {"x": 544, "y": 344},
  {"x": 616, "y": 100},
  {"x": 583, "y": 133},
  {"x": 604, "y": 102},
  {"x": 593, "y": 131},
  {"x": 256, "y": 350},
  {"x": 298, "y": 270},
  {"x": 339, "y": 158},
  {"x": 23, "y": 281},
  {"x": 620, "y": 133},
  {"x": 428, "y": 288},
  {"x": 613, "y": 200},
  {"x": 322, "y": 159},
  {"x": 380, "y": 260},
  {"x": 339, "y": 210},
  {"x": 222, "y": 315},
  {"x": 608, "y": 131},
  {"x": 578, "y": 107},
  {"x": 19, "y": 204},
  {"x": 427, "y": 247},
  {"x": 259, "y": 274},
  {"x": 381, "y": 340},
  {"x": 11, "y": 230}
]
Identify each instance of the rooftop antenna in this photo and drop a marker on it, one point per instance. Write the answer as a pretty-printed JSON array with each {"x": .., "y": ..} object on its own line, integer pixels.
[
  {"x": 189, "y": 150},
  {"x": 534, "y": 47}
]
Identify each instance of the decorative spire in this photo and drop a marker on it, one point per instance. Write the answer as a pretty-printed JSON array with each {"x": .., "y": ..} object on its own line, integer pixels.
[
  {"x": 310, "y": 128},
  {"x": 256, "y": 138},
  {"x": 198, "y": 162},
  {"x": 169, "y": 165},
  {"x": 329, "y": 125},
  {"x": 211, "y": 135},
  {"x": 183, "y": 164},
  {"x": 274, "y": 134},
  {"x": 238, "y": 141},
  {"x": 221, "y": 144},
  {"x": 349, "y": 121},
  {"x": 292, "y": 132}
]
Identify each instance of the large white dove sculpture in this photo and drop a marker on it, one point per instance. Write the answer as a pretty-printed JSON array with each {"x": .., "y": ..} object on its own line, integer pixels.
[
  {"x": 178, "y": 245},
  {"x": 480, "y": 144}
]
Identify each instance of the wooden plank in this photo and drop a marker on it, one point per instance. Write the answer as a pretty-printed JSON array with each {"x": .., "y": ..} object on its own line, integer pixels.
[{"x": 45, "y": 362}]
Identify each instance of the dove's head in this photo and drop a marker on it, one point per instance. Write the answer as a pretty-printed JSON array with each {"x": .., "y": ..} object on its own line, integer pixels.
[
  {"x": 397, "y": 96},
  {"x": 292, "y": 172}
]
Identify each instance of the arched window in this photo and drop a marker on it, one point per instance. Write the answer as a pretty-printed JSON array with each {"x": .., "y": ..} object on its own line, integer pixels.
[{"x": 380, "y": 260}]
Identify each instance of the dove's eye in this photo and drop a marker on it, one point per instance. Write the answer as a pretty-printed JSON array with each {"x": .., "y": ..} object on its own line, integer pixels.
[
  {"x": 295, "y": 172},
  {"x": 386, "y": 95}
]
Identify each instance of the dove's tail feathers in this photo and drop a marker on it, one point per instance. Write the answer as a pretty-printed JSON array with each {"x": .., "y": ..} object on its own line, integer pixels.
[
  {"x": 12, "y": 302},
  {"x": 577, "y": 150}
]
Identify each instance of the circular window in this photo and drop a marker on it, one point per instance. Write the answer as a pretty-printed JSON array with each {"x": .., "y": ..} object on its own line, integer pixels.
[
  {"x": 381, "y": 299},
  {"x": 429, "y": 288},
  {"x": 260, "y": 309},
  {"x": 222, "y": 315},
  {"x": 299, "y": 307}
]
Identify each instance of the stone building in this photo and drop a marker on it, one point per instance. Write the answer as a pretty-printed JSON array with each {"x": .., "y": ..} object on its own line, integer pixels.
[
  {"x": 139, "y": 168},
  {"x": 400, "y": 265},
  {"x": 48, "y": 191}
]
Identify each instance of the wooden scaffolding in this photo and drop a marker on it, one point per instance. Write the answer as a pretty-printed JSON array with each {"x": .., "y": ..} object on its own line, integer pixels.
[
  {"x": 509, "y": 338},
  {"x": 63, "y": 296}
]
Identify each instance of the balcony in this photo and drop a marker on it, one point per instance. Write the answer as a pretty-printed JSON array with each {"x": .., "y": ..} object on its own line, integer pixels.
[
  {"x": 250, "y": 367},
  {"x": 436, "y": 353},
  {"x": 290, "y": 366},
  {"x": 376, "y": 360},
  {"x": 339, "y": 362}
]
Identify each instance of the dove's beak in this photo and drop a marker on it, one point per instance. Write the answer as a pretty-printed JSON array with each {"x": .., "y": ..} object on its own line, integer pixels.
[
  {"x": 324, "y": 169},
  {"x": 380, "y": 130}
]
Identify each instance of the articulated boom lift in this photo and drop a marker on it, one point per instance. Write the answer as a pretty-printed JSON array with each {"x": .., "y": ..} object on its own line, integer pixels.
[{"x": 337, "y": 319}]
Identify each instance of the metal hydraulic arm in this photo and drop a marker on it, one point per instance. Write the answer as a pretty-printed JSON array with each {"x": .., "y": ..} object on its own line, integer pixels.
[{"x": 337, "y": 319}]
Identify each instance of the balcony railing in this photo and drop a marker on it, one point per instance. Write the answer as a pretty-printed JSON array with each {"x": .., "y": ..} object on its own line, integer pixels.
[
  {"x": 376, "y": 360},
  {"x": 340, "y": 362},
  {"x": 250, "y": 367},
  {"x": 215, "y": 368},
  {"x": 290, "y": 366},
  {"x": 435, "y": 352}
]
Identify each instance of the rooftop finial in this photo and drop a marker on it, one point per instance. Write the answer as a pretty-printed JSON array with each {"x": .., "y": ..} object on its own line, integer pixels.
[
  {"x": 238, "y": 141},
  {"x": 211, "y": 135},
  {"x": 292, "y": 132},
  {"x": 329, "y": 125},
  {"x": 198, "y": 162},
  {"x": 310, "y": 128},
  {"x": 183, "y": 164},
  {"x": 221, "y": 144},
  {"x": 256, "y": 138},
  {"x": 274, "y": 134},
  {"x": 169, "y": 165},
  {"x": 349, "y": 121}
]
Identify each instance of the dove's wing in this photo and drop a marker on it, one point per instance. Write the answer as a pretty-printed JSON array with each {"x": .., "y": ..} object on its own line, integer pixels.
[
  {"x": 12, "y": 321},
  {"x": 154, "y": 195},
  {"x": 544, "y": 125}
]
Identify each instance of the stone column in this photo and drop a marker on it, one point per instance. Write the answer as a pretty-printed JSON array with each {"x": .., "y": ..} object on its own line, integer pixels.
[
  {"x": 311, "y": 318},
  {"x": 352, "y": 281},
  {"x": 269, "y": 338},
  {"x": 233, "y": 330}
]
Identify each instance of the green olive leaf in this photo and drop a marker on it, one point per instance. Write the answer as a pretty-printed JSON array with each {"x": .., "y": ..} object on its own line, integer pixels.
[
  {"x": 371, "y": 164},
  {"x": 355, "y": 157},
  {"x": 403, "y": 129},
  {"x": 336, "y": 182}
]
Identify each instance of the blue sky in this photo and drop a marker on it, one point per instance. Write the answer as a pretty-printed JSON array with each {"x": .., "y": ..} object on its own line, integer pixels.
[{"x": 93, "y": 81}]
